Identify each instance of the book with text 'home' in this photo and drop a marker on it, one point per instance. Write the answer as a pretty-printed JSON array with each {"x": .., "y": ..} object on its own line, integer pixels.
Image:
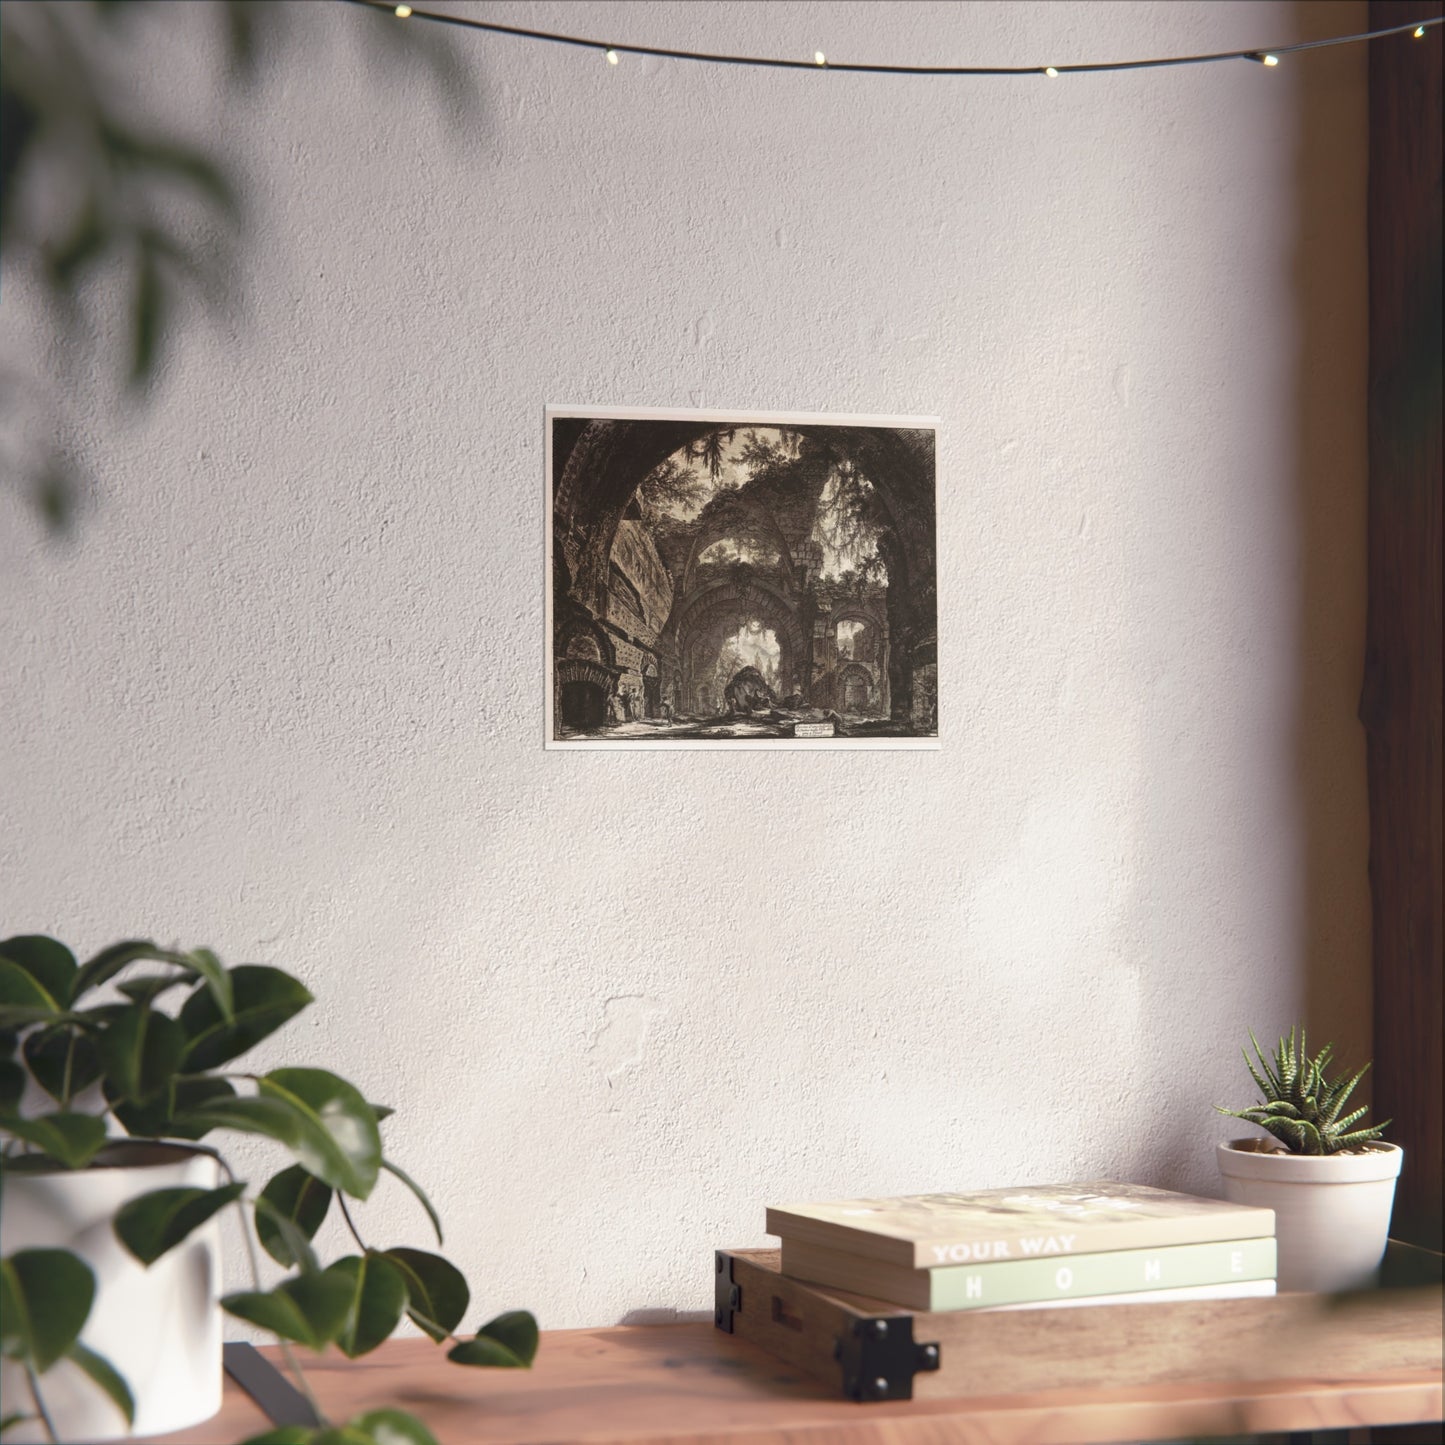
[
  {"x": 926, "y": 1231},
  {"x": 1031, "y": 1281},
  {"x": 1245, "y": 1289}
]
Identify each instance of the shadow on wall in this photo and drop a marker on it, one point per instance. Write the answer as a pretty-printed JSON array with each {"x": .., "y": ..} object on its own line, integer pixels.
[
  {"x": 92, "y": 187},
  {"x": 1324, "y": 905}
]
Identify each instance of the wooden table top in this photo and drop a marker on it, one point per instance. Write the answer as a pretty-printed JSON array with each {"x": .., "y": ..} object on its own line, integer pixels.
[{"x": 694, "y": 1385}]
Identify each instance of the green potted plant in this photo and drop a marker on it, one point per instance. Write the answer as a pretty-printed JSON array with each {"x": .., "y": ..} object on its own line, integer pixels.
[
  {"x": 1331, "y": 1185},
  {"x": 113, "y": 1085}
]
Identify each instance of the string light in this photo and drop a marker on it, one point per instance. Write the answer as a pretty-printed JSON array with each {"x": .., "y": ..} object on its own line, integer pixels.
[
  {"x": 612, "y": 57},
  {"x": 1260, "y": 56}
]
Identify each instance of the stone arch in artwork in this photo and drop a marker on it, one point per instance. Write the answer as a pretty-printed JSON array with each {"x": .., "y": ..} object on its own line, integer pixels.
[
  {"x": 599, "y": 463},
  {"x": 699, "y": 626},
  {"x": 585, "y": 676},
  {"x": 736, "y": 519},
  {"x": 597, "y": 476},
  {"x": 854, "y": 690}
]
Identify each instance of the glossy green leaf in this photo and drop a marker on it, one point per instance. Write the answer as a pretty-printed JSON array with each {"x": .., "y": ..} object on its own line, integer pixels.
[
  {"x": 142, "y": 1121},
  {"x": 277, "y": 1115},
  {"x": 340, "y": 1143},
  {"x": 10, "y": 1041},
  {"x": 263, "y": 999},
  {"x": 437, "y": 1293},
  {"x": 109, "y": 962},
  {"x": 64, "y": 1061},
  {"x": 163, "y": 1116},
  {"x": 283, "y": 1435},
  {"x": 96, "y": 1018},
  {"x": 14, "y": 1325},
  {"x": 151, "y": 1224},
  {"x": 211, "y": 969},
  {"x": 9, "y": 1422},
  {"x": 382, "y": 1111},
  {"x": 310, "y": 1310},
  {"x": 152, "y": 986},
  {"x": 12, "y": 1086},
  {"x": 73, "y": 1139},
  {"x": 141, "y": 1051},
  {"x": 507, "y": 1342},
  {"x": 517, "y": 1330},
  {"x": 299, "y": 1197},
  {"x": 45, "y": 1300},
  {"x": 188, "y": 1094},
  {"x": 416, "y": 1189},
  {"x": 303, "y": 1257},
  {"x": 269, "y": 1117},
  {"x": 23, "y": 999},
  {"x": 341, "y": 1435},
  {"x": 486, "y": 1353},
  {"x": 378, "y": 1296},
  {"x": 104, "y": 1374},
  {"x": 392, "y": 1427},
  {"x": 50, "y": 964}
]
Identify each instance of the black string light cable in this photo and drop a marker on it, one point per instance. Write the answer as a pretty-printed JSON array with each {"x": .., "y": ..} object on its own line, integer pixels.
[{"x": 612, "y": 51}]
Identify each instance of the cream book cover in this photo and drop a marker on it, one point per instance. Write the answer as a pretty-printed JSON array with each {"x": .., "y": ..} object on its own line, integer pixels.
[{"x": 926, "y": 1231}]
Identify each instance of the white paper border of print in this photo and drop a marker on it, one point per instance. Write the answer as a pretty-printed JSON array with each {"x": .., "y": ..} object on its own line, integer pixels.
[{"x": 740, "y": 418}]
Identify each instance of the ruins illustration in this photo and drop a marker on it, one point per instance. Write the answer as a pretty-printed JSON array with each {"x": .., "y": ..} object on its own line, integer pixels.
[{"x": 734, "y": 580}]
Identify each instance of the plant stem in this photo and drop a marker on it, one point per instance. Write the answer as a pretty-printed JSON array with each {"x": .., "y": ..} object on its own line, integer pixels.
[
  {"x": 292, "y": 1363},
  {"x": 346, "y": 1215},
  {"x": 39, "y": 1403},
  {"x": 361, "y": 1243},
  {"x": 69, "y": 1070}
]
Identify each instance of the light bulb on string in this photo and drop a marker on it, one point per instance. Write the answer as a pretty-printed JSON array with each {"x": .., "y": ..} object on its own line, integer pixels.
[{"x": 1260, "y": 57}]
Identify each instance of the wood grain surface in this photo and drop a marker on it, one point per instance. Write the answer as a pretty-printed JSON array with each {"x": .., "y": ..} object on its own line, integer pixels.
[
  {"x": 1273, "y": 1340},
  {"x": 670, "y": 1384}
]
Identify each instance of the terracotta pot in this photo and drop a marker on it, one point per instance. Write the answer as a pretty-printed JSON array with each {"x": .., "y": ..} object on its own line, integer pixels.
[
  {"x": 1331, "y": 1211},
  {"x": 160, "y": 1327}
]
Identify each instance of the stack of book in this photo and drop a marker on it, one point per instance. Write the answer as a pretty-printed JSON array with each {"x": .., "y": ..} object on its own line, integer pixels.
[{"x": 1031, "y": 1247}]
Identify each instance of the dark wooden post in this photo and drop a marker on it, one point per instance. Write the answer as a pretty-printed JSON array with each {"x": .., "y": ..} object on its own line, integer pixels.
[{"x": 1400, "y": 703}]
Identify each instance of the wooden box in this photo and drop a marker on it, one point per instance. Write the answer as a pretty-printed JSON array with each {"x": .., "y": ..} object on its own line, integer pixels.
[{"x": 871, "y": 1350}]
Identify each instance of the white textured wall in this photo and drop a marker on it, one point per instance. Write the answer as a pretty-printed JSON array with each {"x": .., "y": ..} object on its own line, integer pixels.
[{"x": 283, "y": 692}]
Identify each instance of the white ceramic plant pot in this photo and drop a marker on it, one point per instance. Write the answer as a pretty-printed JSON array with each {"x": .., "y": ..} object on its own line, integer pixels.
[
  {"x": 1331, "y": 1211},
  {"x": 160, "y": 1327}
]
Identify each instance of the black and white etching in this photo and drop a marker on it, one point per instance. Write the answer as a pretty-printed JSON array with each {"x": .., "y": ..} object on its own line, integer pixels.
[{"x": 720, "y": 580}]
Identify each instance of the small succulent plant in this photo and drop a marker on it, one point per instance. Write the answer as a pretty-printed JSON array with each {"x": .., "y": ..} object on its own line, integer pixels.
[{"x": 1301, "y": 1108}]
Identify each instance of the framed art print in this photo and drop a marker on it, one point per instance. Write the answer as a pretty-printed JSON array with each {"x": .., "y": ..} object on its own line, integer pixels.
[{"x": 740, "y": 580}]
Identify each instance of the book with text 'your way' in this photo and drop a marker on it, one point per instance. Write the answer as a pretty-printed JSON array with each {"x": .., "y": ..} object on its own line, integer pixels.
[
  {"x": 1033, "y": 1281},
  {"x": 927, "y": 1231}
]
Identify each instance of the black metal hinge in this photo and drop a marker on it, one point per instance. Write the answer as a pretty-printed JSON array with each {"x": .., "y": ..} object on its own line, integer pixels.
[
  {"x": 727, "y": 1296},
  {"x": 880, "y": 1358}
]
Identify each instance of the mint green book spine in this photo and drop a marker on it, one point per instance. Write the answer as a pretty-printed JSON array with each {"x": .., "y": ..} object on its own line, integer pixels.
[{"x": 1124, "y": 1271}]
